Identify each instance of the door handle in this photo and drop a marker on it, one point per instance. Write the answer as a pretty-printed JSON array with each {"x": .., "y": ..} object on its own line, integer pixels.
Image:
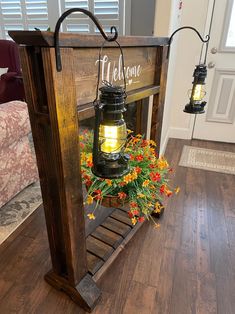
[
  {"x": 211, "y": 65},
  {"x": 214, "y": 50}
]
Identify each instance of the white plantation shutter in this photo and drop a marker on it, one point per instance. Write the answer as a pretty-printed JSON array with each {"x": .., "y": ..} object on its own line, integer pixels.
[
  {"x": 76, "y": 22},
  {"x": 11, "y": 16},
  {"x": 31, "y": 14},
  {"x": 109, "y": 12},
  {"x": 36, "y": 14},
  {"x": 23, "y": 14}
]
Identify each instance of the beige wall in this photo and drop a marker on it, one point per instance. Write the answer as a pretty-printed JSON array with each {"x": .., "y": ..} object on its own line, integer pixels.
[
  {"x": 184, "y": 56},
  {"x": 167, "y": 19}
]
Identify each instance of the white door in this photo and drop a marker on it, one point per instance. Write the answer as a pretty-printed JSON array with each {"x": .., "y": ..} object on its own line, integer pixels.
[{"x": 218, "y": 123}]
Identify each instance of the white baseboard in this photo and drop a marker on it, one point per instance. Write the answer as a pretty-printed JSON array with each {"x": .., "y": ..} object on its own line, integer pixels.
[
  {"x": 164, "y": 144},
  {"x": 182, "y": 133}
]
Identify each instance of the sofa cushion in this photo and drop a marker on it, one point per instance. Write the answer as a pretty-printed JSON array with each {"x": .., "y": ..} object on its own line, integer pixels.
[
  {"x": 14, "y": 122},
  {"x": 17, "y": 169}
]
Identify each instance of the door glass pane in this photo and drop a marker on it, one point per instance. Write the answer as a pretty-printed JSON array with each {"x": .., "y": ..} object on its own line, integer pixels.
[{"x": 230, "y": 41}]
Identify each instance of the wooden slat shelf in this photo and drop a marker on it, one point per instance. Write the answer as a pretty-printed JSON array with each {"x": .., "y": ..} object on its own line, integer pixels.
[{"x": 107, "y": 238}]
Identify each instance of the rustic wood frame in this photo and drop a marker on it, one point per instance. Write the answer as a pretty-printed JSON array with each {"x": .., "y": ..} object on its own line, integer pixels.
[{"x": 54, "y": 117}]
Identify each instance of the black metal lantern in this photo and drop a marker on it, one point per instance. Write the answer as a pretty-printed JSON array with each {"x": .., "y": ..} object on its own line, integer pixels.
[
  {"x": 196, "y": 104},
  {"x": 109, "y": 159}
]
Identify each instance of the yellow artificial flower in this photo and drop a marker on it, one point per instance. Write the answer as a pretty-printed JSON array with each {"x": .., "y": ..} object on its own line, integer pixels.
[
  {"x": 162, "y": 163},
  {"x": 140, "y": 195},
  {"x": 108, "y": 181},
  {"x": 89, "y": 200},
  {"x": 134, "y": 175},
  {"x": 91, "y": 216},
  {"x": 129, "y": 131},
  {"x": 158, "y": 207},
  {"x": 133, "y": 221},
  {"x": 177, "y": 190},
  {"x": 157, "y": 225},
  {"x": 152, "y": 143},
  {"x": 83, "y": 157},
  {"x": 138, "y": 136},
  {"x": 145, "y": 183}
]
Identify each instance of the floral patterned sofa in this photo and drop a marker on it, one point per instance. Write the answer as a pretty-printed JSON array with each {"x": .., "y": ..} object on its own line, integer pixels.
[{"x": 17, "y": 161}]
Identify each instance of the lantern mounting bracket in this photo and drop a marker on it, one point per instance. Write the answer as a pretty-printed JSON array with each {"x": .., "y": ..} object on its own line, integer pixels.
[
  {"x": 206, "y": 40},
  {"x": 113, "y": 31}
]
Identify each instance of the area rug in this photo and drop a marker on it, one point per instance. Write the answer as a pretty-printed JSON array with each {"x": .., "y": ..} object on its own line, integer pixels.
[
  {"x": 14, "y": 213},
  {"x": 208, "y": 159}
]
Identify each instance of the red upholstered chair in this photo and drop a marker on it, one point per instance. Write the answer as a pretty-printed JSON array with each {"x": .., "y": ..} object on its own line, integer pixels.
[{"x": 11, "y": 83}]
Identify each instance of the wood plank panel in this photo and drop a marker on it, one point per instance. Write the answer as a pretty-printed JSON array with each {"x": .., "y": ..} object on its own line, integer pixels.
[
  {"x": 98, "y": 248},
  {"x": 46, "y": 39},
  {"x": 116, "y": 226},
  {"x": 111, "y": 238},
  {"x": 122, "y": 216},
  {"x": 140, "y": 69},
  {"x": 93, "y": 263}
]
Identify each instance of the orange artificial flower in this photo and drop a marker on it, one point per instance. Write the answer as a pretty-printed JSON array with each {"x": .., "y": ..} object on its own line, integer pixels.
[
  {"x": 138, "y": 170},
  {"x": 155, "y": 177},
  {"x": 122, "y": 195},
  {"x": 133, "y": 204},
  {"x": 136, "y": 212},
  {"x": 162, "y": 188},
  {"x": 109, "y": 182},
  {"x": 145, "y": 183},
  {"x": 139, "y": 157}
]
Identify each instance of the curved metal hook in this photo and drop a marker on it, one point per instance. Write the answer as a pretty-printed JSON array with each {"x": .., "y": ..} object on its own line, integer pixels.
[
  {"x": 206, "y": 40},
  {"x": 94, "y": 19}
]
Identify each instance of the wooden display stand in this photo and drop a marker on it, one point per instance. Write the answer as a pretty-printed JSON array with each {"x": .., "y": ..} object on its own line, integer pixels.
[{"x": 57, "y": 101}]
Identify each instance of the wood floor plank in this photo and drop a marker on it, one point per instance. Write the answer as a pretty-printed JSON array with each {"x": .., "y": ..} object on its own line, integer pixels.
[
  {"x": 140, "y": 299},
  {"x": 185, "y": 266}
]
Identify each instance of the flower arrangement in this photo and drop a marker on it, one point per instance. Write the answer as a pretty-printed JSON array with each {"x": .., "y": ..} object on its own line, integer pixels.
[{"x": 143, "y": 188}]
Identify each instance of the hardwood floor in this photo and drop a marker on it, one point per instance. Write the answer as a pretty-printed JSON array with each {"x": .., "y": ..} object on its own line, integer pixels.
[{"x": 185, "y": 266}]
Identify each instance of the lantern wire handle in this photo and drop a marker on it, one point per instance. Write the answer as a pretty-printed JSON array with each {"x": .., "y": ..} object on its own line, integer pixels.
[
  {"x": 106, "y": 82},
  {"x": 113, "y": 31}
]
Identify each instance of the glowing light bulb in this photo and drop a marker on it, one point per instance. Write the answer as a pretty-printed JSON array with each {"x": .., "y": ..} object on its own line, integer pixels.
[
  {"x": 198, "y": 92},
  {"x": 112, "y": 138}
]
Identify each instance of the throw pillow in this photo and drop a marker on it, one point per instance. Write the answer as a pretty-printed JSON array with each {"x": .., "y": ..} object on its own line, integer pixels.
[{"x": 3, "y": 71}]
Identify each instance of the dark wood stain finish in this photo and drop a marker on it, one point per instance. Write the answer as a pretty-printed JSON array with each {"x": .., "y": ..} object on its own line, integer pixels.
[
  {"x": 185, "y": 266},
  {"x": 57, "y": 101}
]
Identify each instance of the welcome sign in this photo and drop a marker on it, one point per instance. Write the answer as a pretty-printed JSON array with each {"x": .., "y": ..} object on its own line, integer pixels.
[
  {"x": 139, "y": 69},
  {"x": 113, "y": 71}
]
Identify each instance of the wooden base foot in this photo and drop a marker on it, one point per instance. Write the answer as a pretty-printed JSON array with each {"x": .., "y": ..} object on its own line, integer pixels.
[{"x": 86, "y": 294}]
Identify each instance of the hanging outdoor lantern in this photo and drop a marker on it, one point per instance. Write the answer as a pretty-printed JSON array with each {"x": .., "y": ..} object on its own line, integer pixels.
[
  {"x": 196, "y": 104},
  {"x": 110, "y": 134}
]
